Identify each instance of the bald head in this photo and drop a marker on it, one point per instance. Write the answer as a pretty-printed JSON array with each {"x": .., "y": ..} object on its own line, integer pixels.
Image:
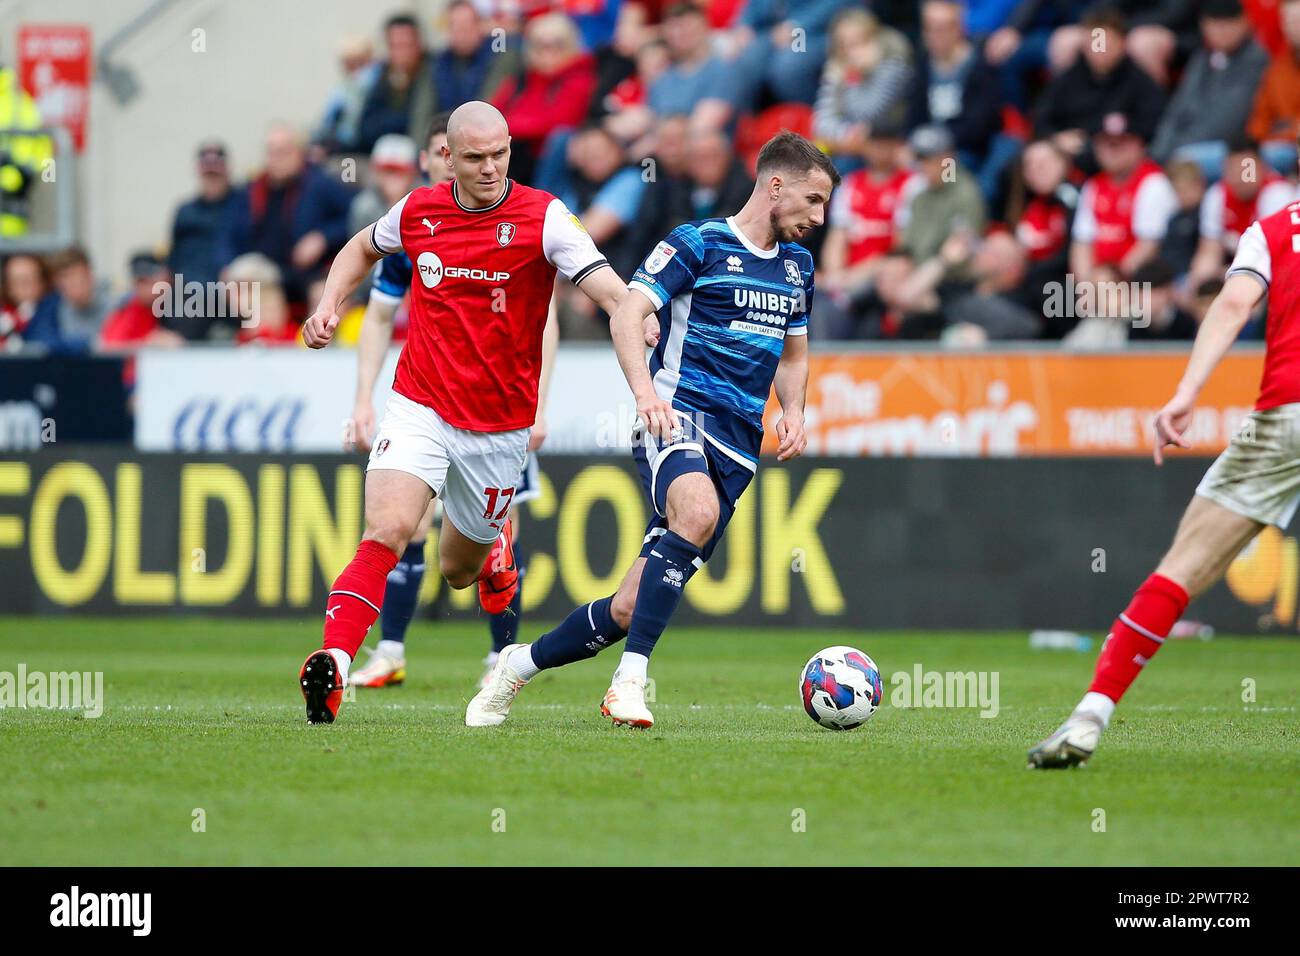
[
  {"x": 478, "y": 152},
  {"x": 475, "y": 120}
]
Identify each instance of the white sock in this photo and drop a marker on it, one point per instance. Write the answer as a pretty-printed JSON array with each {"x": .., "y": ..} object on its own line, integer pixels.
[
  {"x": 523, "y": 664},
  {"x": 1099, "y": 704},
  {"x": 631, "y": 665},
  {"x": 343, "y": 660},
  {"x": 394, "y": 649}
]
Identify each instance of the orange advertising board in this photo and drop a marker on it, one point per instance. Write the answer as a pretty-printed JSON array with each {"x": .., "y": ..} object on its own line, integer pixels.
[{"x": 1012, "y": 403}]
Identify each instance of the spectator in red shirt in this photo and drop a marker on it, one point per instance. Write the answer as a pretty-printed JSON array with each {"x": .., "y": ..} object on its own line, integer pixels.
[
  {"x": 25, "y": 283},
  {"x": 559, "y": 78},
  {"x": 137, "y": 321}
]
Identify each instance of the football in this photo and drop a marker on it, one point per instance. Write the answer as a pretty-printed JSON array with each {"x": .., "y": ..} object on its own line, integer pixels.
[{"x": 840, "y": 687}]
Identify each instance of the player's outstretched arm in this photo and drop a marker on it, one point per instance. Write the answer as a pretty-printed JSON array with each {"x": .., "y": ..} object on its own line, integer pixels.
[
  {"x": 791, "y": 391},
  {"x": 1222, "y": 324},
  {"x": 627, "y": 329},
  {"x": 372, "y": 346},
  {"x": 350, "y": 266}
]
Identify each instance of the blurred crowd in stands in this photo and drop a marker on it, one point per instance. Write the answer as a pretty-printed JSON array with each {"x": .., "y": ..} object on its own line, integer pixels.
[{"x": 1001, "y": 158}]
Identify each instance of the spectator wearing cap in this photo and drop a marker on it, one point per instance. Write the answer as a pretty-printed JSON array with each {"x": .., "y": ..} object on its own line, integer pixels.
[
  {"x": 864, "y": 83},
  {"x": 470, "y": 67},
  {"x": 956, "y": 87},
  {"x": 864, "y": 225},
  {"x": 265, "y": 313},
  {"x": 69, "y": 321},
  {"x": 137, "y": 321},
  {"x": 1103, "y": 80},
  {"x": 1275, "y": 117},
  {"x": 1124, "y": 210},
  {"x": 697, "y": 84},
  {"x": 339, "y": 129},
  {"x": 394, "y": 172},
  {"x": 1247, "y": 190},
  {"x": 553, "y": 93},
  {"x": 292, "y": 212},
  {"x": 1214, "y": 97},
  {"x": 202, "y": 237},
  {"x": 942, "y": 202},
  {"x": 781, "y": 46},
  {"x": 401, "y": 98}
]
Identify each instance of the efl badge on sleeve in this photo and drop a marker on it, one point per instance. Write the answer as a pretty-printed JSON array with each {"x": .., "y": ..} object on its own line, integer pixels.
[
  {"x": 505, "y": 232},
  {"x": 656, "y": 261}
]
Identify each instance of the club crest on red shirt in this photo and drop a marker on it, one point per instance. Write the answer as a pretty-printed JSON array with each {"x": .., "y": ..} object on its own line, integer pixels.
[
  {"x": 383, "y": 447},
  {"x": 505, "y": 232}
]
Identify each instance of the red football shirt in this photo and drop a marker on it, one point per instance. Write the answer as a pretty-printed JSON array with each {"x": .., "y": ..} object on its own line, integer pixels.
[
  {"x": 1113, "y": 216},
  {"x": 1270, "y": 251},
  {"x": 867, "y": 209},
  {"x": 481, "y": 285}
]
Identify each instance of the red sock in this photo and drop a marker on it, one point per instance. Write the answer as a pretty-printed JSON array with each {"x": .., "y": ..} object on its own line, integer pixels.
[
  {"x": 354, "y": 601},
  {"x": 1137, "y": 634}
]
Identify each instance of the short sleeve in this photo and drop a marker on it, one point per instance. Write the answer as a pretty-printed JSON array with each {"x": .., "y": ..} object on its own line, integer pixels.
[
  {"x": 386, "y": 233},
  {"x": 1153, "y": 207},
  {"x": 1211, "y": 215},
  {"x": 567, "y": 245},
  {"x": 672, "y": 266},
  {"x": 841, "y": 211},
  {"x": 1252, "y": 256},
  {"x": 798, "y": 324},
  {"x": 391, "y": 279},
  {"x": 1085, "y": 222}
]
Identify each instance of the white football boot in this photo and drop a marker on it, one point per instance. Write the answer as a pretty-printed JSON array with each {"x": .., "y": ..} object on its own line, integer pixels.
[
  {"x": 491, "y": 706},
  {"x": 382, "y": 670},
  {"x": 625, "y": 703},
  {"x": 1072, "y": 744}
]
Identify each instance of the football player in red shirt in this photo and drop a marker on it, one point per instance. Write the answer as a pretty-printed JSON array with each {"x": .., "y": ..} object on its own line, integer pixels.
[
  {"x": 1254, "y": 483},
  {"x": 485, "y": 250}
]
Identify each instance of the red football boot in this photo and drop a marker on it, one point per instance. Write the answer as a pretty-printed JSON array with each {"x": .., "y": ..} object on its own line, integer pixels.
[
  {"x": 499, "y": 579},
  {"x": 321, "y": 687}
]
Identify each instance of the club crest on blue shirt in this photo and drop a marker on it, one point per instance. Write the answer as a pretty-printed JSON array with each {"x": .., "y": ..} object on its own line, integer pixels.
[
  {"x": 505, "y": 232},
  {"x": 656, "y": 261},
  {"x": 792, "y": 273}
]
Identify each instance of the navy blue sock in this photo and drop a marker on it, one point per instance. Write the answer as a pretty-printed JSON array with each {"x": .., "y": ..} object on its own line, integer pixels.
[
  {"x": 668, "y": 567},
  {"x": 505, "y": 626},
  {"x": 584, "y": 633},
  {"x": 402, "y": 593}
]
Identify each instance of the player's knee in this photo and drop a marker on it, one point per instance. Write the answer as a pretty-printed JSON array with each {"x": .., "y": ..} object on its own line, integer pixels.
[
  {"x": 456, "y": 574},
  {"x": 696, "y": 521}
]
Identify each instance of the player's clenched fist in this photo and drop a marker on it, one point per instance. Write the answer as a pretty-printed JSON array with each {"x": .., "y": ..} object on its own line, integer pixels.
[
  {"x": 318, "y": 330},
  {"x": 660, "y": 421},
  {"x": 791, "y": 437}
]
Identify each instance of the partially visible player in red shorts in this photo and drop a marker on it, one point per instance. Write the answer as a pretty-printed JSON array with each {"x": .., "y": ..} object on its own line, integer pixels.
[
  {"x": 1254, "y": 483},
  {"x": 485, "y": 251}
]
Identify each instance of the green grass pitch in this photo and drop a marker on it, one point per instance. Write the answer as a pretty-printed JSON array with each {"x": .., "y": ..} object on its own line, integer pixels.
[{"x": 205, "y": 715}]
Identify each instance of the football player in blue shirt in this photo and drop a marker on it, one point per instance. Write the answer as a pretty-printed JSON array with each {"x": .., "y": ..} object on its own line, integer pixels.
[{"x": 732, "y": 298}]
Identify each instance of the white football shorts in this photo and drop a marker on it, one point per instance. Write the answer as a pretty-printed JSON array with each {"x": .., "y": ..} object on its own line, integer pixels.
[
  {"x": 1258, "y": 474},
  {"x": 476, "y": 474}
]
